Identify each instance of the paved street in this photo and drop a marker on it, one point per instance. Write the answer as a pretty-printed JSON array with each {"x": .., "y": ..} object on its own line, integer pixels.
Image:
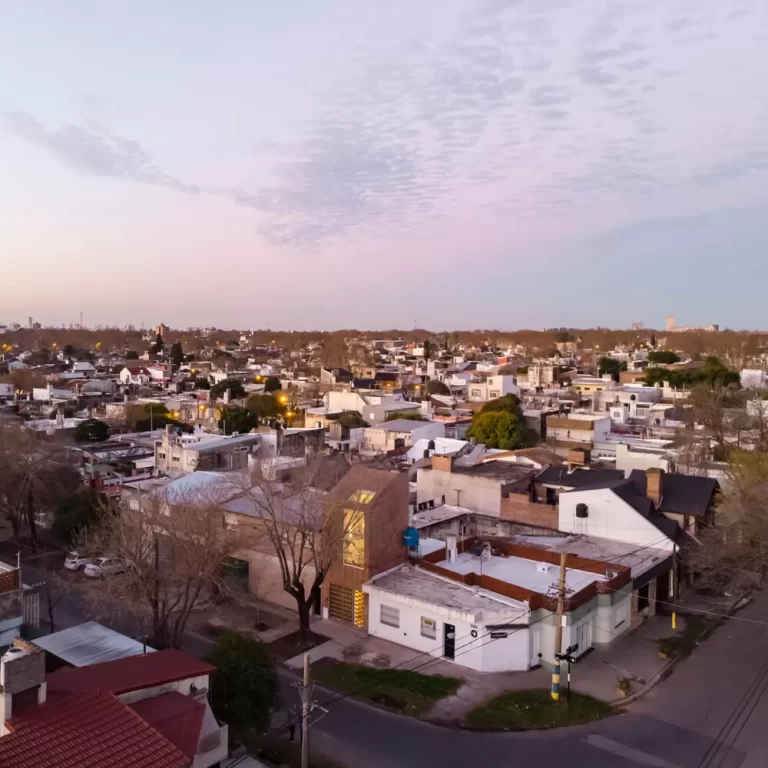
[{"x": 673, "y": 726}]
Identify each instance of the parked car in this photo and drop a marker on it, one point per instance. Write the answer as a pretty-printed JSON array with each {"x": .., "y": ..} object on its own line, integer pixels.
[
  {"x": 103, "y": 566},
  {"x": 76, "y": 562}
]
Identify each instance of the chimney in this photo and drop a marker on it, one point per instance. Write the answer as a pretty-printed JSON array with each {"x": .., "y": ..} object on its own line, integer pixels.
[
  {"x": 442, "y": 463},
  {"x": 654, "y": 485},
  {"x": 22, "y": 669},
  {"x": 451, "y": 549},
  {"x": 578, "y": 457}
]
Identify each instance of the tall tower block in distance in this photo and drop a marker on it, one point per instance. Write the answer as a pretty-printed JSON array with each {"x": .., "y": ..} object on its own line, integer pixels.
[{"x": 670, "y": 322}]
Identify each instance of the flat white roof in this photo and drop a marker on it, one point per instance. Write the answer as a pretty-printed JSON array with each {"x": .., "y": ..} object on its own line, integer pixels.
[
  {"x": 521, "y": 572},
  {"x": 438, "y": 515},
  {"x": 90, "y": 643}
]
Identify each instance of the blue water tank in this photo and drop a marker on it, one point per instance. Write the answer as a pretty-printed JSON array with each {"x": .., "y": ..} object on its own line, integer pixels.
[{"x": 411, "y": 537}]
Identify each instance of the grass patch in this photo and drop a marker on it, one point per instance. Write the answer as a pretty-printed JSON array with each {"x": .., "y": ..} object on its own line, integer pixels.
[
  {"x": 536, "y": 709},
  {"x": 400, "y": 690},
  {"x": 684, "y": 643}
]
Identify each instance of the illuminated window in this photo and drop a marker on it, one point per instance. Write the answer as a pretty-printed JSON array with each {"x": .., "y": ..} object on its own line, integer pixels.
[
  {"x": 362, "y": 497},
  {"x": 354, "y": 538},
  {"x": 359, "y": 609}
]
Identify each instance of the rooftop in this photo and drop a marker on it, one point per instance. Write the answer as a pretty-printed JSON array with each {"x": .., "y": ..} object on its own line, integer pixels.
[
  {"x": 177, "y": 717},
  {"x": 130, "y": 674},
  {"x": 87, "y": 730},
  {"x": 90, "y": 643},
  {"x": 401, "y": 425},
  {"x": 418, "y": 584},
  {"x": 680, "y": 494},
  {"x": 579, "y": 477},
  {"x": 504, "y": 471},
  {"x": 533, "y": 575},
  {"x": 438, "y": 515}
]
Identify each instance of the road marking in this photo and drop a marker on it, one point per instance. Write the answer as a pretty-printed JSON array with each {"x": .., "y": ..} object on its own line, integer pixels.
[{"x": 638, "y": 756}]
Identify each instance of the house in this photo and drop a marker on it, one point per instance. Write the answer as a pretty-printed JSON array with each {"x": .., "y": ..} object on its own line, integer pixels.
[
  {"x": 552, "y": 480},
  {"x": 366, "y": 517},
  {"x": 176, "y": 452},
  {"x": 576, "y": 430},
  {"x": 134, "y": 375},
  {"x": 488, "y": 604},
  {"x": 492, "y": 388},
  {"x": 292, "y": 441},
  {"x": 588, "y": 385},
  {"x": 373, "y": 406},
  {"x": 149, "y": 710},
  {"x": 399, "y": 434},
  {"x": 84, "y": 368},
  {"x": 496, "y": 489}
]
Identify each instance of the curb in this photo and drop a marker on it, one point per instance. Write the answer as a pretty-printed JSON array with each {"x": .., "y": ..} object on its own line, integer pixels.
[{"x": 666, "y": 670}]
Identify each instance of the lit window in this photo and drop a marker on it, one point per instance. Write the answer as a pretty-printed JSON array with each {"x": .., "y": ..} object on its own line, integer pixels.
[
  {"x": 354, "y": 538},
  {"x": 428, "y": 628},
  {"x": 362, "y": 497},
  {"x": 389, "y": 616}
]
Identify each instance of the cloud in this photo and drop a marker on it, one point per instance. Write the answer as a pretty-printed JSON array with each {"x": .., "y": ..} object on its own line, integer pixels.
[{"x": 95, "y": 151}]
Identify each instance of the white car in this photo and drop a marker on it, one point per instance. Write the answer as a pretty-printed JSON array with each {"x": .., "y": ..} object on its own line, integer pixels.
[
  {"x": 103, "y": 566},
  {"x": 76, "y": 562}
]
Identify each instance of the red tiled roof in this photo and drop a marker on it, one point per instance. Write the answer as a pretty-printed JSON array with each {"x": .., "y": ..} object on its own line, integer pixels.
[
  {"x": 86, "y": 730},
  {"x": 177, "y": 717},
  {"x": 133, "y": 673}
]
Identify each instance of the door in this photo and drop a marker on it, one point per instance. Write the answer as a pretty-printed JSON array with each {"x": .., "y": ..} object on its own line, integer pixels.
[{"x": 449, "y": 641}]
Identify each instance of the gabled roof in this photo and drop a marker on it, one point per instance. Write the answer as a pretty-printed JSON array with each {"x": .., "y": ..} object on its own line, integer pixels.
[
  {"x": 680, "y": 494},
  {"x": 87, "y": 730},
  {"x": 176, "y": 716},
  {"x": 130, "y": 674}
]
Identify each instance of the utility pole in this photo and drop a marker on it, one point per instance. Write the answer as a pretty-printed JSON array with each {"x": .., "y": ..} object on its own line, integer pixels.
[
  {"x": 306, "y": 706},
  {"x": 559, "y": 630}
]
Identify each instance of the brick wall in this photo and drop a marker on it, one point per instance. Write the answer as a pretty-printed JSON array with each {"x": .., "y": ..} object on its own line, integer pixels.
[
  {"x": 10, "y": 580},
  {"x": 26, "y": 671},
  {"x": 517, "y": 508}
]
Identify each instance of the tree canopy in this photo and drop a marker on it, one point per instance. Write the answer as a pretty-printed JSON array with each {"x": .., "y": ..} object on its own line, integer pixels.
[
  {"x": 265, "y": 407},
  {"x": 82, "y": 511},
  {"x": 663, "y": 356},
  {"x": 91, "y": 431},
  {"x": 607, "y": 365},
  {"x": 272, "y": 384},
  {"x": 509, "y": 403},
  {"x": 498, "y": 429},
  {"x": 435, "y": 387},
  {"x": 714, "y": 374},
  {"x": 235, "y": 387},
  {"x": 245, "y": 686},
  {"x": 177, "y": 353},
  {"x": 237, "y": 419},
  {"x": 408, "y": 415},
  {"x": 157, "y": 347}
]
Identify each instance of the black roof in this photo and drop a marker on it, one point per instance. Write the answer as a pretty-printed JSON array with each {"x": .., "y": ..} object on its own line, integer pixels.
[
  {"x": 503, "y": 471},
  {"x": 680, "y": 494},
  {"x": 579, "y": 477}
]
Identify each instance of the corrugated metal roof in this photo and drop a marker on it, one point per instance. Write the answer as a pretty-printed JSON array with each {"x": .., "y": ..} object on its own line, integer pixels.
[{"x": 90, "y": 643}]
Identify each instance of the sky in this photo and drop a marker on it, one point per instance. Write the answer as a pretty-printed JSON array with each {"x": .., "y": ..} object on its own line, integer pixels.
[{"x": 354, "y": 163}]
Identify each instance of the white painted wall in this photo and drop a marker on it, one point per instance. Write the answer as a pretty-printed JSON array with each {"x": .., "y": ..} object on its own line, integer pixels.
[{"x": 609, "y": 517}]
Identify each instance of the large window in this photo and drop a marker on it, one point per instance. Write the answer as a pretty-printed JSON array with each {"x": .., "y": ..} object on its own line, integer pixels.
[
  {"x": 389, "y": 616},
  {"x": 362, "y": 497},
  {"x": 354, "y": 538}
]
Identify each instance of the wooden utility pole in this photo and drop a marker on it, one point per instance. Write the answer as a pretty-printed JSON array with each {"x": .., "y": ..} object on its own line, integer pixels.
[
  {"x": 559, "y": 630},
  {"x": 306, "y": 706}
]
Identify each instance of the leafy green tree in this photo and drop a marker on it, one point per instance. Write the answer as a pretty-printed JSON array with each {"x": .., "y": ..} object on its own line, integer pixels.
[
  {"x": 498, "y": 429},
  {"x": 272, "y": 384},
  {"x": 653, "y": 339},
  {"x": 68, "y": 350},
  {"x": 429, "y": 350},
  {"x": 509, "y": 403},
  {"x": 81, "y": 512},
  {"x": 245, "y": 686},
  {"x": 351, "y": 419},
  {"x": 235, "y": 387},
  {"x": 91, "y": 431},
  {"x": 663, "y": 357},
  {"x": 177, "y": 353},
  {"x": 607, "y": 365},
  {"x": 237, "y": 419},
  {"x": 438, "y": 388},
  {"x": 265, "y": 407},
  {"x": 202, "y": 383},
  {"x": 408, "y": 415},
  {"x": 131, "y": 354},
  {"x": 157, "y": 347}
]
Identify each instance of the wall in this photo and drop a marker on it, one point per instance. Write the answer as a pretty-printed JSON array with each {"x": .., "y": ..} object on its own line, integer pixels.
[
  {"x": 516, "y": 507},
  {"x": 627, "y": 459},
  {"x": 479, "y": 653},
  {"x": 613, "y": 615},
  {"x": 180, "y": 686},
  {"x": 265, "y": 578},
  {"x": 477, "y": 493},
  {"x": 610, "y": 518}
]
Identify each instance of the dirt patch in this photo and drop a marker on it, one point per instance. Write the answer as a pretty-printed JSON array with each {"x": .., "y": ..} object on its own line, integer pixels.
[{"x": 288, "y": 646}]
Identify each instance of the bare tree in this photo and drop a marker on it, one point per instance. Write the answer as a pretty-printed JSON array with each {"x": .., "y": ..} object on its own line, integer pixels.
[
  {"x": 738, "y": 542},
  {"x": 290, "y": 519},
  {"x": 35, "y": 475},
  {"x": 173, "y": 548}
]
